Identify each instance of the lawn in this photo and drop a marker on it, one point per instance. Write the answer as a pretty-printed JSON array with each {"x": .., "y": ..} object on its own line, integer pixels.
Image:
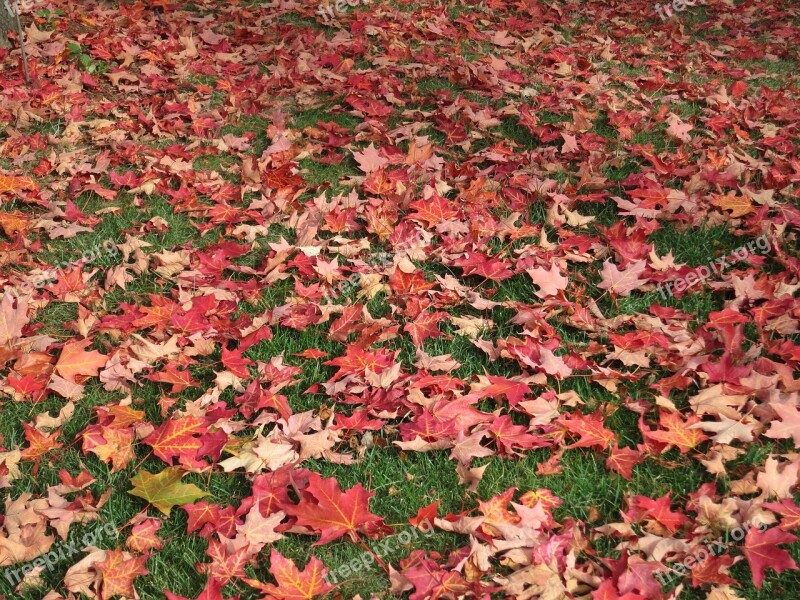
[{"x": 431, "y": 299}]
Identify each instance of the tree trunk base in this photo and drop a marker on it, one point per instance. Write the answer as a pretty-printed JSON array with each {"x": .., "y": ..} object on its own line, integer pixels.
[{"x": 8, "y": 23}]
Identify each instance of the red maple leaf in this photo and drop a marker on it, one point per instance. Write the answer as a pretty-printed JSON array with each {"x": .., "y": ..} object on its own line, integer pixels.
[
  {"x": 659, "y": 509},
  {"x": 430, "y": 580},
  {"x": 426, "y": 514},
  {"x": 432, "y": 211},
  {"x": 177, "y": 438},
  {"x": 622, "y": 460},
  {"x": 711, "y": 571},
  {"x": 325, "y": 509},
  {"x": 761, "y": 551},
  {"x": 180, "y": 379},
  {"x": 510, "y": 437},
  {"x": 498, "y": 386},
  {"x": 425, "y": 326},
  {"x": 350, "y": 322},
  {"x": 590, "y": 429},
  {"x": 789, "y": 511},
  {"x": 236, "y": 363}
]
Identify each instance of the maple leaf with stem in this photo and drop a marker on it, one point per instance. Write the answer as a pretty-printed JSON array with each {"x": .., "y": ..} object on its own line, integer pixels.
[
  {"x": 676, "y": 432},
  {"x": 180, "y": 379},
  {"x": 118, "y": 571},
  {"x": 332, "y": 513},
  {"x": 175, "y": 438},
  {"x": 39, "y": 443},
  {"x": 622, "y": 460},
  {"x": 144, "y": 536},
  {"x": 425, "y": 326},
  {"x": 590, "y": 429},
  {"x": 622, "y": 283},
  {"x": 738, "y": 205},
  {"x": 293, "y": 584},
  {"x": 165, "y": 490},
  {"x": 75, "y": 362}
]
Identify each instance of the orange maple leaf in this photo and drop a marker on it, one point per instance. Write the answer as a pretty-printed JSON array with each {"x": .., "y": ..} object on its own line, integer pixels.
[
  {"x": 12, "y": 183},
  {"x": 144, "y": 536},
  {"x": 175, "y": 438},
  {"x": 40, "y": 443},
  {"x": 676, "y": 432},
  {"x": 75, "y": 362},
  {"x": 738, "y": 205},
  {"x": 118, "y": 571},
  {"x": 14, "y": 222},
  {"x": 292, "y": 583},
  {"x": 495, "y": 511}
]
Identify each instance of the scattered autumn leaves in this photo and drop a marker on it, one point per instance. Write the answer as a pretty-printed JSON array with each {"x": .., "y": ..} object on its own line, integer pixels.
[{"x": 517, "y": 171}]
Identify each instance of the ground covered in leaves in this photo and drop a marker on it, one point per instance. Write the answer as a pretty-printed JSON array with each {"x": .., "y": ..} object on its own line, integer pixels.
[{"x": 425, "y": 300}]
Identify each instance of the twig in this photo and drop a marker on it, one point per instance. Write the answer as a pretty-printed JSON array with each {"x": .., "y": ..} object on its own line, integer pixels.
[{"x": 21, "y": 38}]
